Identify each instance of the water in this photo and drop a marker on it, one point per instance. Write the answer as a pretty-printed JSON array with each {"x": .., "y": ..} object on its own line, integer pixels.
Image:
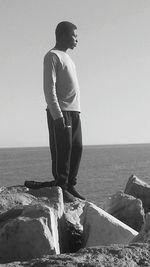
[{"x": 104, "y": 170}]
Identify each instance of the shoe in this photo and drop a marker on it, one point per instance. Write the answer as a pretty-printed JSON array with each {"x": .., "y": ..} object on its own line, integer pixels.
[
  {"x": 73, "y": 191},
  {"x": 68, "y": 197},
  {"x": 38, "y": 185}
]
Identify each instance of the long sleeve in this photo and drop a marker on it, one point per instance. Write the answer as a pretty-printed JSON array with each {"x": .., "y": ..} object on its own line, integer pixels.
[{"x": 50, "y": 65}]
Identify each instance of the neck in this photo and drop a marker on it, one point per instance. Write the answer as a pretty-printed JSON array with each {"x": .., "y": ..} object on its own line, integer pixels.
[{"x": 61, "y": 47}]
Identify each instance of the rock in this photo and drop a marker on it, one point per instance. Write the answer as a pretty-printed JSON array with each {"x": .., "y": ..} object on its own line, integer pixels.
[
  {"x": 14, "y": 197},
  {"x": 29, "y": 225},
  {"x": 36, "y": 223},
  {"x": 144, "y": 234},
  {"x": 26, "y": 238},
  {"x": 139, "y": 189},
  {"x": 93, "y": 226},
  {"x": 73, "y": 213},
  {"x": 52, "y": 195},
  {"x": 74, "y": 224},
  {"x": 127, "y": 209},
  {"x": 104, "y": 256},
  {"x": 101, "y": 228}
]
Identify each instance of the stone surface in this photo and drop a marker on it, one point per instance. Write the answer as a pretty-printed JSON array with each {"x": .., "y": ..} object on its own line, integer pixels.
[
  {"x": 110, "y": 256},
  {"x": 101, "y": 228},
  {"x": 26, "y": 238},
  {"x": 73, "y": 213},
  {"x": 52, "y": 196},
  {"x": 144, "y": 234},
  {"x": 14, "y": 197},
  {"x": 139, "y": 189},
  {"x": 29, "y": 225},
  {"x": 127, "y": 209},
  {"x": 92, "y": 226},
  {"x": 36, "y": 223},
  {"x": 74, "y": 224}
]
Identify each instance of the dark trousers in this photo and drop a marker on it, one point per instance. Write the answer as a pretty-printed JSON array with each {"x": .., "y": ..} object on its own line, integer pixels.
[{"x": 66, "y": 148}]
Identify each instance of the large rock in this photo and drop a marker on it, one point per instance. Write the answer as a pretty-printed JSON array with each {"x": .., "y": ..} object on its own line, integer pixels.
[
  {"x": 127, "y": 209},
  {"x": 13, "y": 197},
  {"x": 101, "y": 228},
  {"x": 52, "y": 196},
  {"x": 24, "y": 238},
  {"x": 139, "y": 189},
  {"x": 35, "y": 223},
  {"x": 29, "y": 225},
  {"x": 20, "y": 196},
  {"x": 93, "y": 226}
]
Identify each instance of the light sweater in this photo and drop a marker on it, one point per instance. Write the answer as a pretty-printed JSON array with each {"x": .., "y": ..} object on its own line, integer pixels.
[{"x": 61, "y": 86}]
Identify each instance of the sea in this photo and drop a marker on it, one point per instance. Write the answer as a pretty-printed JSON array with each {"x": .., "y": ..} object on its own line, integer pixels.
[{"x": 104, "y": 169}]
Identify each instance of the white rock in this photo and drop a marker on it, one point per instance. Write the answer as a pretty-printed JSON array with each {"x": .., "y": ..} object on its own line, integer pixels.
[
  {"x": 25, "y": 238},
  {"x": 101, "y": 228},
  {"x": 33, "y": 223},
  {"x": 139, "y": 189},
  {"x": 127, "y": 209},
  {"x": 53, "y": 194},
  {"x": 14, "y": 196},
  {"x": 29, "y": 226},
  {"x": 51, "y": 221},
  {"x": 73, "y": 213}
]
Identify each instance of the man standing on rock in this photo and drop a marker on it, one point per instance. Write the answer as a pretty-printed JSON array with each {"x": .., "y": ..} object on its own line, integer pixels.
[{"x": 63, "y": 110}]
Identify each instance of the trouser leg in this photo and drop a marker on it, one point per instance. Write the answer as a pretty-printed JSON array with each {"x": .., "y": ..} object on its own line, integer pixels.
[
  {"x": 52, "y": 143},
  {"x": 63, "y": 151},
  {"x": 76, "y": 151},
  {"x": 60, "y": 145}
]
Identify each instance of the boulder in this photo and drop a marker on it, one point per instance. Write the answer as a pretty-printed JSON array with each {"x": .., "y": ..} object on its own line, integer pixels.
[
  {"x": 144, "y": 234},
  {"x": 29, "y": 226},
  {"x": 139, "y": 189},
  {"x": 101, "y": 228},
  {"x": 36, "y": 223},
  {"x": 74, "y": 224},
  {"x": 24, "y": 238},
  {"x": 92, "y": 226},
  {"x": 52, "y": 196},
  {"x": 127, "y": 209},
  {"x": 14, "y": 197},
  {"x": 20, "y": 196}
]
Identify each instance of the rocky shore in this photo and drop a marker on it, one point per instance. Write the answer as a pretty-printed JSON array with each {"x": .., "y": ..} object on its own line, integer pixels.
[{"x": 38, "y": 229}]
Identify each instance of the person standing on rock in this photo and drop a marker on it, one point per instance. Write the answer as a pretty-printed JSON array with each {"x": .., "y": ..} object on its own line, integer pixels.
[{"x": 62, "y": 96}]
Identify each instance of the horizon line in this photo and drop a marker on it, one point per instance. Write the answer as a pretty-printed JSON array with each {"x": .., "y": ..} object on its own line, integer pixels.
[{"x": 87, "y": 145}]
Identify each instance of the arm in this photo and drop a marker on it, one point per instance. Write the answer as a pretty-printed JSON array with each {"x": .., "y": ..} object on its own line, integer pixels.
[{"x": 50, "y": 65}]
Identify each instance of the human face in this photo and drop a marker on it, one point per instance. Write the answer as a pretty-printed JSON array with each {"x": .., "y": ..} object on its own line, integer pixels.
[{"x": 71, "y": 39}]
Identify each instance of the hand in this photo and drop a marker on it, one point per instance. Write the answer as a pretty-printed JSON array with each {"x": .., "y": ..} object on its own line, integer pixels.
[{"x": 59, "y": 123}]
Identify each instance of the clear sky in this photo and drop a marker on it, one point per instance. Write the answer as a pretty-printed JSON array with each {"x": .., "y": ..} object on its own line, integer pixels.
[{"x": 112, "y": 60}]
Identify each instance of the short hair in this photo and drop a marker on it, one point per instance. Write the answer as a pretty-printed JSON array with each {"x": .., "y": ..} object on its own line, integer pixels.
[{"x": 64, "y": 27}]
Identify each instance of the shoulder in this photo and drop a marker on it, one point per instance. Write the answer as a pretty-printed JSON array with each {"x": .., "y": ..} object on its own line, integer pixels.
[{"x": 51, "y": 57}]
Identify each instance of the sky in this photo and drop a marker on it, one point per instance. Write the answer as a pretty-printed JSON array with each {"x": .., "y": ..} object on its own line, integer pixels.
[{"x": 112, "y": 61}]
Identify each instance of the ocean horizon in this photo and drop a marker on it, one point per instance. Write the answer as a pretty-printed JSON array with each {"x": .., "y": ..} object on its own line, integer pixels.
[{"x": 104, "y": 169}]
